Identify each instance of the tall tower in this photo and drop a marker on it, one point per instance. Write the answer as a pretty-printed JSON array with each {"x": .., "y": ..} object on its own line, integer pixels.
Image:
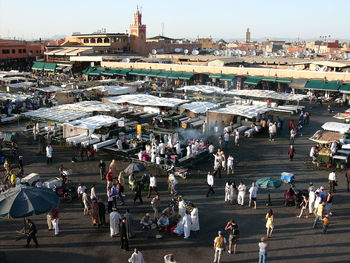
[
  {"x": 247, "y": 36},
  {"x": 138, "y": 34}
]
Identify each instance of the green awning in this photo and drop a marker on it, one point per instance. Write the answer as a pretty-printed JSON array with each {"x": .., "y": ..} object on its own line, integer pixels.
[
  {"x": 345, "y": 88},
  {"x": 174, "y": 75},
  {"x": 163, "y": 74},
  {"x": 215, "y": 76},
  {"x": 186, "y": 75},
  {"x": 153, "y": 73},
  {"x": 144, "y": 72},
  {"x": 134, "y": 72},
  {"x": 252, "y": 80},
  {"x": 38, "y": 65},
  {"x": 227, "y": 77},
  {"x": 284, "y": 80},
  {"x": 269, "y": 79},
  {"x": 50, "y": 66},
  {"x": 88, "y": 70},
  {"x": 322, "y": 85},
  {"x": 96, "y": 72},
  {"x": 123, "y": 72},
  {"x": 110, "y": 72}
]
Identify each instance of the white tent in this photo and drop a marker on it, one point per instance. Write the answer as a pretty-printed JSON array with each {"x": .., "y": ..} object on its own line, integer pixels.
[
  {"x": 89, "y": 106},
  {"x": 50, "y": 89},
  {"x": 22, "y": 85},
  {"x": 249, "y": 111},
  {"x": 336, "y": 126},
  {"x": 267, "y": 94},
  {"x": 199, "y": 106},
  {"x": 113, "y": 90},
  {"x": 14, "y": 97},
  {"x": 203, "y": 88},
  {"x": 145, "y": 100},
  {"x": 56, "y": 114},
  {"x": 87, "y": 125}
]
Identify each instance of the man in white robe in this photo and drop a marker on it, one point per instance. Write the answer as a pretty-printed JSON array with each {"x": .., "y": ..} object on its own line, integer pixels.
[
  {"x": 114, "y": 220},
  {"x": 136, "y": 257},
  {"x": 187, "y": 224},
  {"x": 194, "y": 219}
]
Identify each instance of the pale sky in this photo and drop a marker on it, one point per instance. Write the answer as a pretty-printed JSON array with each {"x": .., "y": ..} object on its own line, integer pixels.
[{"x": 288, "y": 19}]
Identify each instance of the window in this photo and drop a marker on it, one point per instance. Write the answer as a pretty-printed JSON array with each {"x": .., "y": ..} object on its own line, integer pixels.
[
  {"x": 24, "y": 51},
  {"x": 5, "y": 51},
  {"x": 86, "y": 40},
  {"x": 20, "y": 51},
  {"x": 106, "y": 40},
  {"x": 92, "y": 40},
  {"x": 99, "y": 40},
  {"x": 37, "y": 51},
  {"x": 13, "y": 51}
]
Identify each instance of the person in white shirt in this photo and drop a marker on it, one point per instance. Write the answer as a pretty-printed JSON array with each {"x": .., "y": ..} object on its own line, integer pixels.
[
  {"x": 211, "y": 149},
  {"x": 230, "y": 167},
  {"x": 210, "y": 182},
  {"x": 226, "y": 138},
  {"x": 241, "y": 193},
  {"x": 186, "y": 221},
  {"x": 318, "y": 200},
  {"x": 236, "y": 137},
  {"x": 136, "y": 257},
  {"x": 152, "y": 185},
  {"x": 81, "y": 189},
  {"x": 119, "y": 144},
  {"x": 332, "y": 178},
  {"x": 253, "y": 191},
  {"x": 188, "y": 151},
  {"x": 158, "y": 159},
  {"x": 93, "y": 192},
  {"x": 181, "y": 206},
  {"x": 49, "y": 151},
  {"x": 312, "y": 198},
  {"x": 162, "y": 149}
]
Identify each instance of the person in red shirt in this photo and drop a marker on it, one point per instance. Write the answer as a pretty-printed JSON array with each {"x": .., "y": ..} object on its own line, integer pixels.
[
  {"x": 291, "y": 125},
  {"x": 109, "y": 178}
]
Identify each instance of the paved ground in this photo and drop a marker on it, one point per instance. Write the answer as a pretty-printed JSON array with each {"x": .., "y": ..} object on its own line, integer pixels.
[{"x": 294, "y": 239}]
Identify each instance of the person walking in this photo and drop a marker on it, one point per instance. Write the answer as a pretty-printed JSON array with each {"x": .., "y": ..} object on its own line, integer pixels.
[
  {"x": 263, "y": 250},
  {"x": 318, "y": 214},
  {"x": 332, "y": 179},
  {"x": 291, "y": 152},
  {"x": 102, "y": 169},
  {"x": 101, "y": 212},
  {"x": 31, "y": 231},
  {"x": 49, "y": 151},
  {"x": 136, "y": 257},
  {"x": 253, "y": 192},
  {"x": 123, "y": 235},
  {"x": 138, "y": 192},
  {"x": 230, "y": 164},
  {"x": 85, "y": 201},
  {"x": 152, "y": 185},
  {"x": 155, "y": 206},
  {"x": 312, "y": 198},
  {"x": 219, "y": 246},
  {"x": 269, "y": 223},
  {"x": 303, "y": 207},
  {"x": 114, "y": 220},
  {"x": 236, "y": 137},
  {"x": 233, "y": 227},
  {"x": 129, "y": 224},
  {"x": 194, "y": 217},
  {"x": 241, "y": 193},
  {"x": 325, "y": 224},
  {"x": 93, "y": 192},
  {"x": 210, "y": 182},
  {"x": 55, "y": 217},
  {"x": 293, "y": 133},
  {"x": 347, "y": 176}
]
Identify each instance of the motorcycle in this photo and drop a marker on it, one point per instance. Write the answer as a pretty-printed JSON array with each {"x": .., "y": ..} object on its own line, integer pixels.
[{"x": 66, "y": 193}]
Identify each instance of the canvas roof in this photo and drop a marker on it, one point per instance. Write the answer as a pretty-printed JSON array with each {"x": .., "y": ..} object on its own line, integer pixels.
[
  {"x": 94, "y": 122},
  {"x": 55, "y": 114},
  {"x": 249, "y": 111},
  {"x": 336, "y": 126},
  {"x": 199, "y": 106},
  {"x": 113, "y": 90},
  {"x": 203, "y": 88},
  {"x": 267, "y": 94},
  {"x": 145, "y": 100},
  {"x": 89, "y": 106}
]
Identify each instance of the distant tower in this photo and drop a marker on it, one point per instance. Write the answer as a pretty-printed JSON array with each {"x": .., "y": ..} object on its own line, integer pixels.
[
  {"x": 138, "y": 34},
  {"x": 247, "y": 36}
]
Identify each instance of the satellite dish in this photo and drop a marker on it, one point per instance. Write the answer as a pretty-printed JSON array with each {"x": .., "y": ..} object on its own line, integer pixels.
[
  {"x": 195, "y": 52},
  {"x": 254, "y": 53},
  {"x": 266, "y": 54},
  {"x": 244, "y": 53},
  {"x": 329, "y": 56},
  {"x": 126, "y": 60},
  {"x": 177, "y": 50},
  {"x": 216, "y": 53},
  {"x": 186, "y": 51},
  {"x": 154, "y": 51}
]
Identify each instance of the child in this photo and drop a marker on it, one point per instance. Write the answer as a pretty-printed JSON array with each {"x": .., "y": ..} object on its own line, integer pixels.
[{"x": 325, "y": 224}]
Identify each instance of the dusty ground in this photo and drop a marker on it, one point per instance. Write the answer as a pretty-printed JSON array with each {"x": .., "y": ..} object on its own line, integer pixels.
[{"x": 294, "y": 239}]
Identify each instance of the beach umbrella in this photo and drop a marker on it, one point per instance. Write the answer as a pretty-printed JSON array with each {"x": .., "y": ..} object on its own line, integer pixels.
[
  {"x": 134, "y": 168},
  {"x": 18, "y": 202},
  {"x": 268, "y": 183}
]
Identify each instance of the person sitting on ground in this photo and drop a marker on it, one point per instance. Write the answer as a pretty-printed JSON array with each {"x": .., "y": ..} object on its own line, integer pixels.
[
  {"x": 146, "y": 221},
  {"x": 163, "y": 223}
]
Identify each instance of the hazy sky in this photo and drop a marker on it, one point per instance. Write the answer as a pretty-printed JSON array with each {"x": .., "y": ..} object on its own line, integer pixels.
[{"x": 191, "y": 18}]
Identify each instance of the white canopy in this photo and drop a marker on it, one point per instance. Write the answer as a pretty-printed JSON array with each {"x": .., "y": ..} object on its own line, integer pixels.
[
  {"x": 94, "y": 122},
  {"x": 145, "y": 100},
  {"x": 249, "y": 111},
  {"x": 336, "y": 126},
  {"x": 113, "y": 90},
  {"x": 56, "y": 114},
  {"x": 203, "y": 88},
  {"x": 22, "y": 85},
  {"x": 14, "y": 97},
  {"x": 50, "y": 89},
  {"x": 199, "y": 106},
  {"x": 267, "y": 94},
  {"x": 89, "y": 106}
]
